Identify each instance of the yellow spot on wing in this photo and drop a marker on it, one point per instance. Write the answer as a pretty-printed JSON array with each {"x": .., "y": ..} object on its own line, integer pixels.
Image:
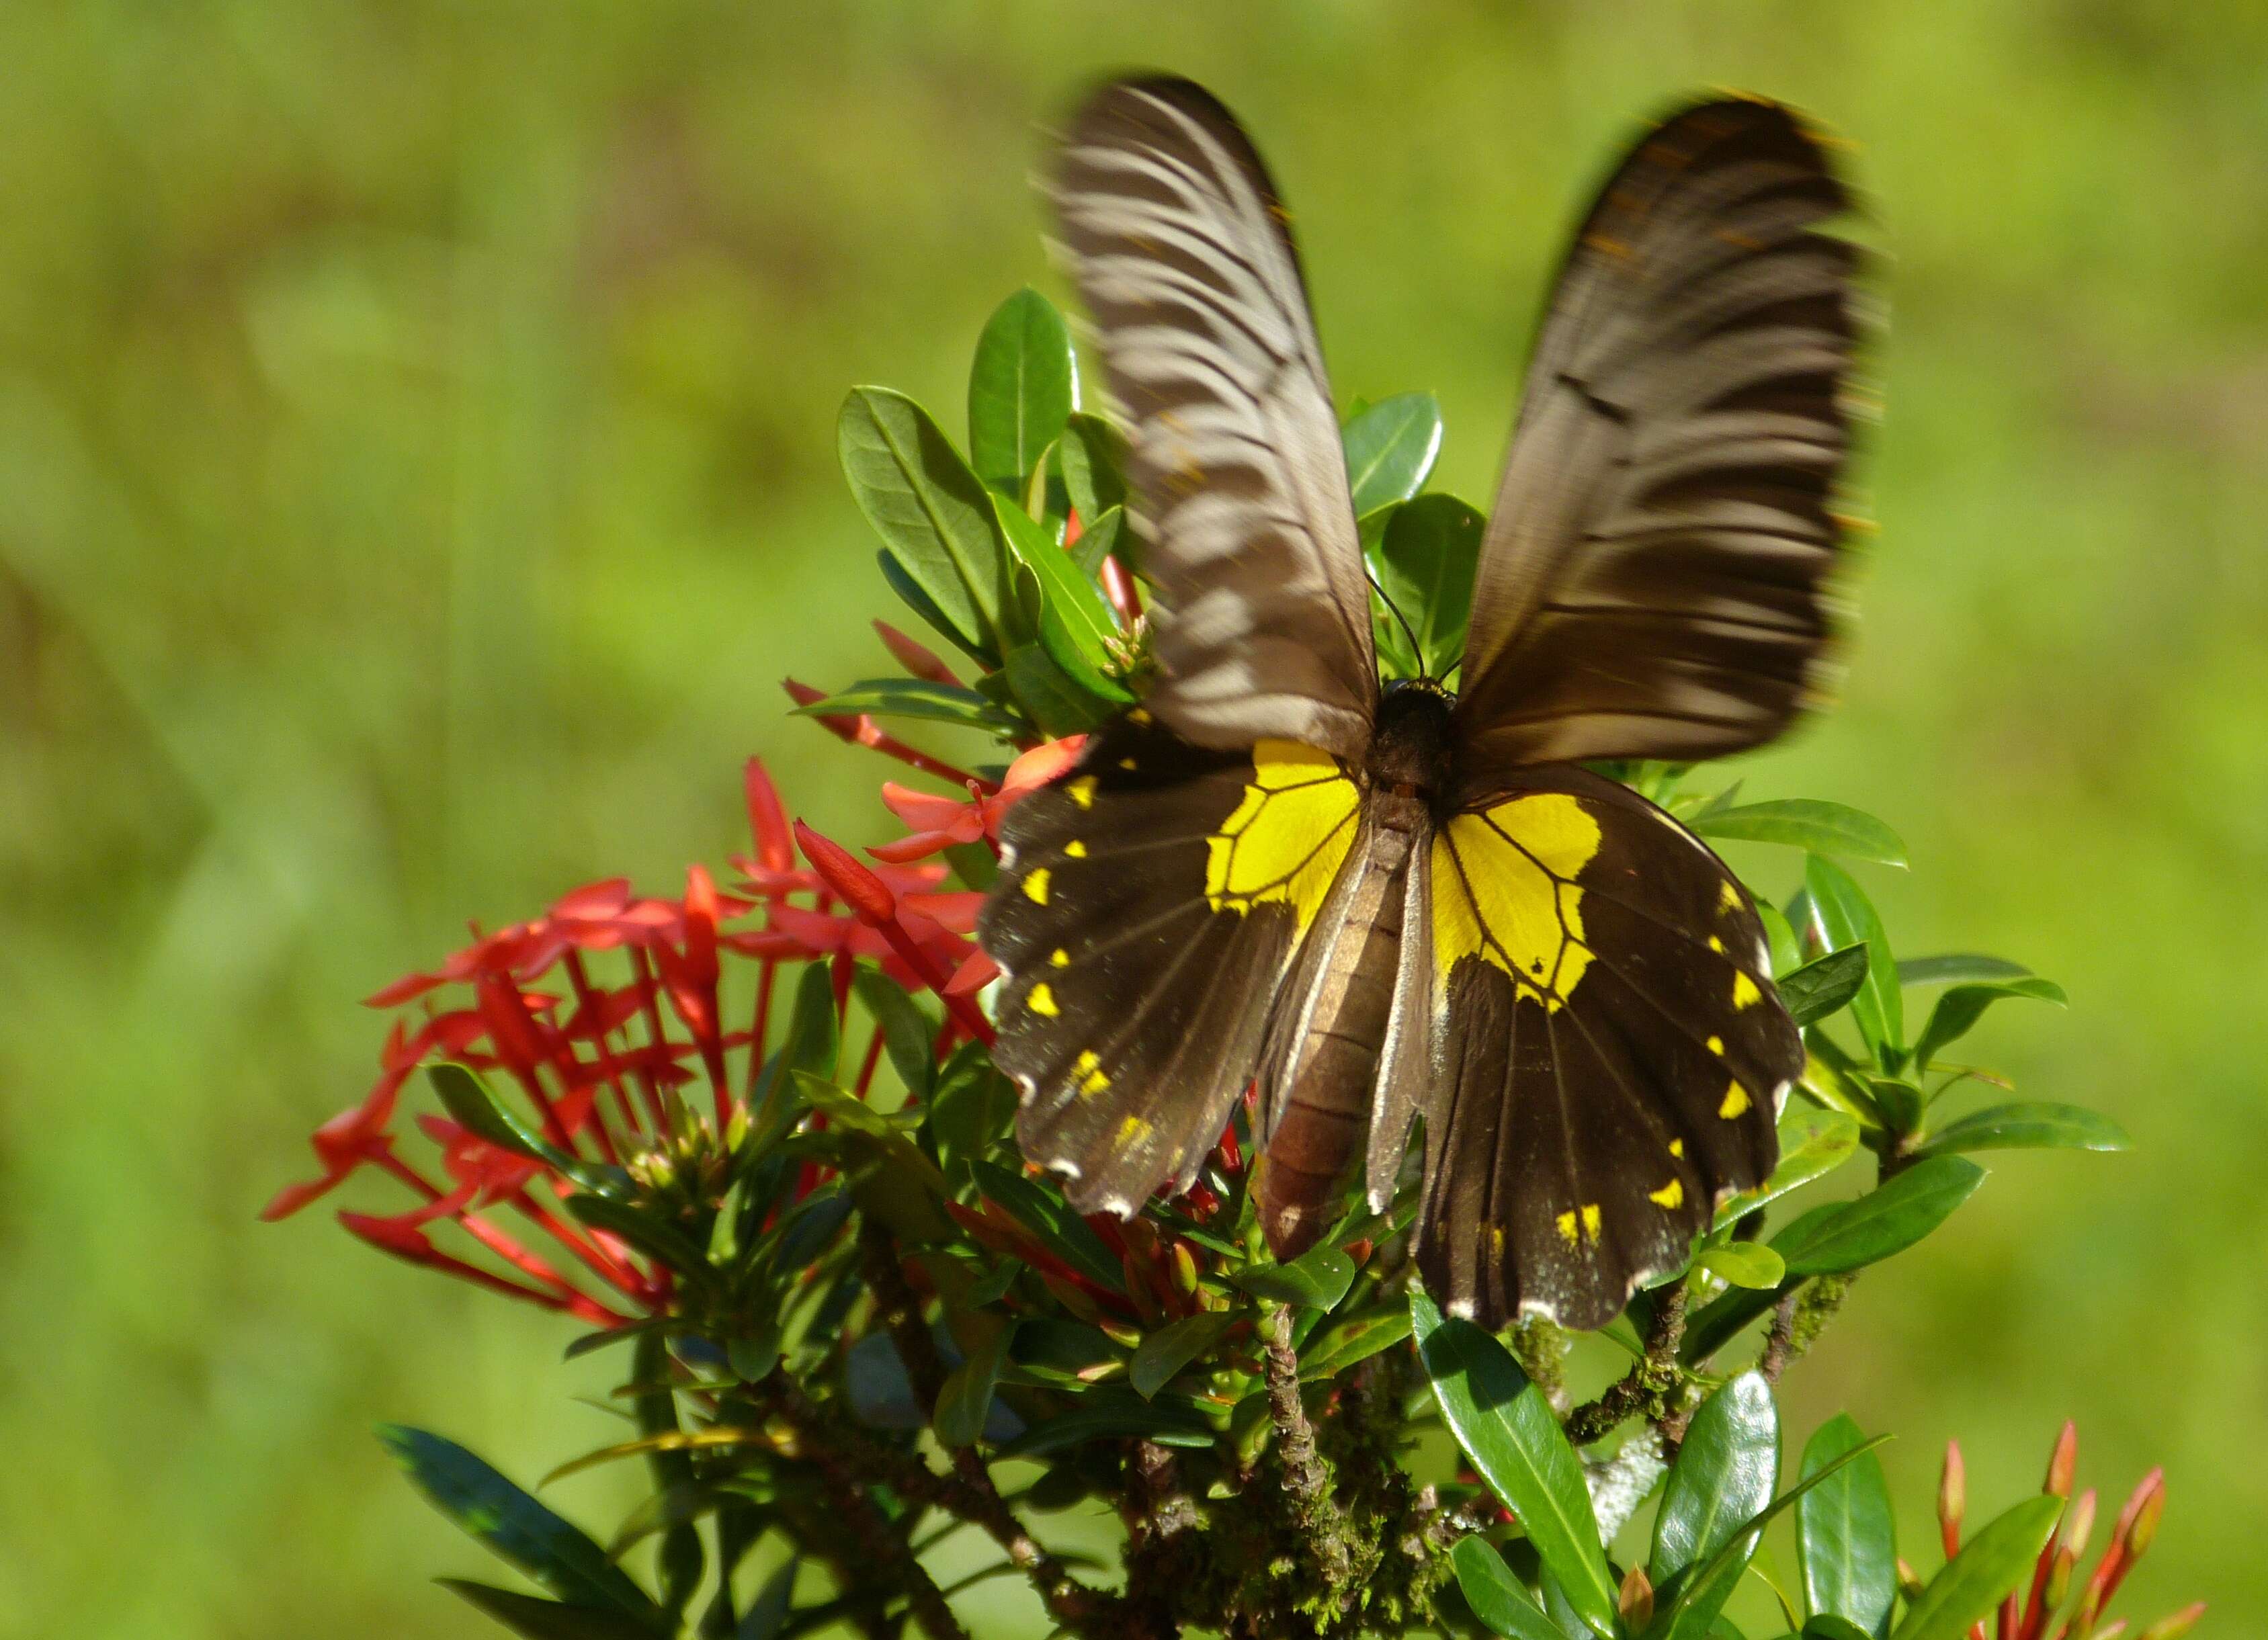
[
  {"x": 1042, "y": 1002},
  {"x": 1736, "y": 1102},
  {"x": 1744, "y": 991},
  {"x": 1717, "y": 1045},
  {"x": 1286, "y": 838},
  {"x": 1591, "y": 1220},
  {"x": 1035, "y": 886},
  {"x": 1728, "y": 898},
  {"x": 1505, "y": 890},
  {"x": 1059, "y": 958},
  {"x": 1132, "y": 1131},
  {"x": 1716, "y": 945},
  {"x": 1566, "y": 1222},
  {"x": 1082, "y": 791},
  {"x": 1496, "y": 1241},
  {"x": 1671, "y": 1194},
  {"x": 1677, "y": 1147},
  {"x": 1091, "y": 1077},
  {"x": 1140, "y": 715},
  {"x": 1077, "y": 851}
]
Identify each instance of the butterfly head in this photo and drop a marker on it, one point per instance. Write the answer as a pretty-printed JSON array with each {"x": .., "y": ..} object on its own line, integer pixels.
[{"x": 1410, "y": 747}]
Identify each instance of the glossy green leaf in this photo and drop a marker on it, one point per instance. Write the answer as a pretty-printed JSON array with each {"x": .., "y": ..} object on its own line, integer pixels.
[
  {"x": 812, "y": 1043},
  {"x": 1818, "y": 988},
  {"x": 1424, "y": 561},
  {"x": 1806, "y": 823},
  {"x": 933, "y": 514},
  {"x": 1352, "y": 1339},
  {"x": 1842, "y": 915},
  {"x": 1107, "y": 1412},
  {"x": 513, "y": 1525},
  {"x": 682, "y": 1558},
  {"x": 1884, "y": 1221},
  {"x": 983, "y": 650},
  {"x": 475, "y": 1107},
  {"x": 1724, "y": 1475},
  {"x": 1787, "y": 953},
  {"x": 644, "y": 1227},
  {"x": 1507, "y": 1428},
  {"x": 1022, "y": 386},
  {"x": 1956, "y": 968},
  {"x": 1051, "y": 1218},
  {"x": 889, "y": 1176},
  {"x": 1078, "y": 627},
  {"x": 1824, "y": 1626},
  {"x": 1164, "y": 1353},
  {"x": 1390, "y": 448},
  {"x": 1317, "y": 1279},
  {"x": 966, "y": 1401},
  {"x": 908, "y": 1031},
  {"x": 534, "y": 1618},
  {"x": 1743, "y": 1264},
  {"x": 970, "y": 1113},
  {"x": 1846, "y": 1531},
  {"x": 1092, "y": 457},
  {"x": 1496, "y": 1595},
  {"x": 2030, "y": 1125},
  {"x": 1900, "y": 1101},
  {"x": 1991, "y": 1564},
  {"x": 1098, "y": 540},
  {"x": 1959, "y": 1009},
  {"x": 1812, "y": 1144},
  {"x": 915, "y": 697}
]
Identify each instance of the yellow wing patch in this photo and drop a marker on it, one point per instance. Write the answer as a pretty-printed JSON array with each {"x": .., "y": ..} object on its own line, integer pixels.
[
  {"x": 1504, "y": 890},
  {"x": 1285, "y": 840}
]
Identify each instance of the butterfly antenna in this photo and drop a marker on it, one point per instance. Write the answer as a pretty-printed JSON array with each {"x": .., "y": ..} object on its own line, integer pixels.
[{"x": 1416, "y": 649}]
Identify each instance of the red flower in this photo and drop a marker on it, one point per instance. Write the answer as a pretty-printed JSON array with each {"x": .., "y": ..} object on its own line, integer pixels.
[{"x": 938, "y": 823}]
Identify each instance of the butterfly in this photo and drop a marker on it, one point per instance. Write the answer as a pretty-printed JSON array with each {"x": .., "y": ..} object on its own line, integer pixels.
[{"x": 1372, "y": 903}]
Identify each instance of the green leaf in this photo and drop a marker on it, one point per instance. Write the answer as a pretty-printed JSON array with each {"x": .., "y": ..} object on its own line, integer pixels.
[
  {"x": 1724, "y": 1475},
  {"x": 1059, "y": 702},
  {"x": 1996, "y": 1561},
  {"x": 1881, "y": 1222},
  {"x": 767, "y": 1615},
  {"x": 1022, "y": 386},
  {"x": 887, "y": 1175},
  {"x": 1390, "y": 448},
  {"x": 1092, "y": 457},
  {"x": 645, "y": 1228},
  {"x": 1743, "y": 1264},
  {"x": 966, "y": 1401},
  {"x": 1164, "y": 1353},
  {"x": 1958, "y": 1010},
  {"x": 1787, "y": 955},
  {"x": 682, "y": 1558},
  {"x": 1818, "y": 988},
  {"x": 907, "y": 1032},
  {"x": 1806, "y": 823},
  {"x": 537, "y": 1619},
  {"x": 1507, "y": 1427},
  {"x": 915, "y": 697},
  {"x": 1825, "y": 1626},
  {"x": 475, "y": 1107},
  {"x": 812, "y": 1044},
  {"x": 2031, "y": 1125},
  {"x": 1317, "y": 1279},
  {"x": 1847, "y": 1532},
  {"x": 910, "y": 595},
  {"x": 1812, "y": 1144},
  {"x": 973, "y": 1107},
  {"x": 1078, "y": 627},
  {"x": 1352, "y": 1339},
  {"x": 513, "y": 1525},
  {"x": 1842, "y": 915},
  {"x": 1097, "y": 541},
  {"x": 1495, "y": 1595},
  {"x": 1051, "y": 1218},
  {"x": 933, "y": 514},
  {"x": 1424, "y": 561},
  {"x": 1106, "y": 1413},
  {"x": 1958, "y": 966}
]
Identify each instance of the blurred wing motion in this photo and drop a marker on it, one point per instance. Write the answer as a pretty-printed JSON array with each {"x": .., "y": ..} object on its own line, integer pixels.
[
  {"x": 1650, "y": 583},
  {"x": 1239, "y": 480},
  {"x": 1146, "y": 911},
  {"x": 1615, "y": 1056}
]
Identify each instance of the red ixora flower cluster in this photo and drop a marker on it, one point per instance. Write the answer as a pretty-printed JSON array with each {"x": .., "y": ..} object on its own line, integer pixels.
[
  {"x": 2025, "y": 1614},
  {"x": 610, "y": 1016}
]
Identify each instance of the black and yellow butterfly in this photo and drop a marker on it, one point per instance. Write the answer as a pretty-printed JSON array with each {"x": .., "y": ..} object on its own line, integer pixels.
[{"x": 1386, "y": 903}]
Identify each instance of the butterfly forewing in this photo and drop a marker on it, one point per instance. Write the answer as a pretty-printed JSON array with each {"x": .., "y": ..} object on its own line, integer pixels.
[
  {"x": 1238, "y": 480},
  {"x": 1650, "y": 585},
  {"x": 1613, "y": 1058},
  {"x": 1148, "y": 908}
]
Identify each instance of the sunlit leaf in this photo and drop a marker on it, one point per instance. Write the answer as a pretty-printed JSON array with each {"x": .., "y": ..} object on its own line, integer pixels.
[
  {"x": 1495, "y": 1595},
  {"x": 1743, "y": 1264},
  {"x": 1354, "y": 1339},
  {"x": 1959, "y": 1009},
  {"x": 1076, "y": 626},
  {"x": 1317, "y": 1279},
  {"x": 1812, "y": 1144},
  {"x": 1957, "y": 966},
  {"x": 1847, "y": 1532},
  {"x": 1991, "y": 1564},
  {"x": 1093, "y": 456},
  {"x": 1022, "y": 386},
  {"x": 1818, "y": 988},
  {"x": 1507, "y": 1428},
  {"x": 2027, "y": 1125},
  {"x": 1390, "y": 448},
  {"x": 1725, "y": 1472},
  {"x": 1885, "y": 1221},
  {"x": 1424, "y": 561},
  {"x": 1164, "y": 1353},
  {"x": 1842, "y": 915},
  {"x": 1807, "y": 823},
  {"x": 914, "y": 697},
  {"x": 933, "y": 514}
]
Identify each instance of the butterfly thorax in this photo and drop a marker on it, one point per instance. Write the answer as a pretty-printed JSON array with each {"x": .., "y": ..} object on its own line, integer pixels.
[{"x": 1409, "y": 750}]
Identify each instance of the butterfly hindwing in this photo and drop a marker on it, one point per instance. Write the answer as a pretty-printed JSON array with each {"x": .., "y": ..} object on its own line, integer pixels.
[
  {"x": 1650, "y": 584},
  {"x": 1149, "y": 906},
  {"x": 1614, "y": 1054},
  {"x": 1237, "y": 479}
]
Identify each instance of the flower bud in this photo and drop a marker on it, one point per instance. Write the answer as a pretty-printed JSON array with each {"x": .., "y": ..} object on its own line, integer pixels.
[
  {"x": 1635, "y": 1601},
  {"x": 1952, "y": 1498},
  {"x": 1185, "y": 1267},
  {"x": 1909, "y": 1580},
  {"x": 2063, "y": 1462},
  {"x": 2144, "y": 1513},
  {"x": 2175, "y": 1626}
]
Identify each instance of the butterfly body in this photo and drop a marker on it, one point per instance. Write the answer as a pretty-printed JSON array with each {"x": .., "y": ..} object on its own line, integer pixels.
[{"x": 1369, "y": 905}]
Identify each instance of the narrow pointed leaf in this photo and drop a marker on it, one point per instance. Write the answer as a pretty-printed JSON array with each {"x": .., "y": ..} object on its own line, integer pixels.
[
  {"x": 1847, "y": 1532},
  {"x": 1884, "y": 1221},
  {"x": 1818, "y": 988},
  {"x": 1051, "y": 1218},
  {"x": 1496, "y": 1595},
  {"x": 1812, "y": 1144},
  {"x": 1959, "y": 1010},
  {"x": 1390, "y": 448},
  {"x": 1098, "y": 540},
  {"x": 1164, "y": 1353},
  {"x": 966, "y": 1402},
  {"x": 933, "y": 514},
  {"x": 1957, "y": 967},
  {"x": 1317, "y": 1279},
  {"x": 1077, "y": 624},
  {"x": 1994, "y": 1561},
  {"x": 1508, "y": 1430},
  {"x": 2027, "y": 1125},
  {"x": 513, "y": 1525},
  {"x": 534, "y": 1618},
  {"x": 917, "y": 698},
  {"x": 1842, "y": 915},
  {"x": 475, "y": 1107},
  {"x": 1806, "y": 823},
  {"x": 1352, "y": 1339}
]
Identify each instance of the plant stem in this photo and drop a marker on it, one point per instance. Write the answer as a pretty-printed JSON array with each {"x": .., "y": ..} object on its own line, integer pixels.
[
  {"x": 1307, "y": 1478},
  {"x": 1653, "y": 1376}
]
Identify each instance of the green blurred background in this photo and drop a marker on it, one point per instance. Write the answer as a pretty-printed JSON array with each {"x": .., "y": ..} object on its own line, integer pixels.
[{"x": 416, "y": 471}]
